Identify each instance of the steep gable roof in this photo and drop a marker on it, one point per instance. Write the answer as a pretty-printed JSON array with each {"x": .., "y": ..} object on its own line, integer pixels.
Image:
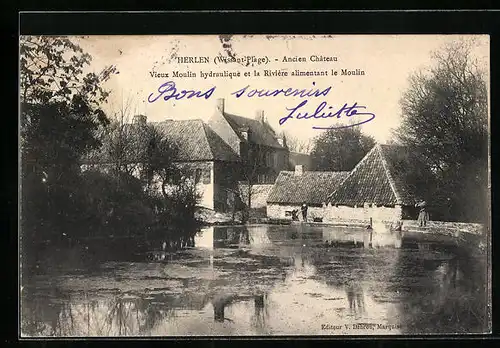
[
  {"x": 219, "y": 124},
  {"x": 196, "y": 141},
  {"x": 260, "y": 132},
  {"x": 310, "y": 187},
  {"x": 376, "y": 179},
  {"x": 396, "y": 158}
]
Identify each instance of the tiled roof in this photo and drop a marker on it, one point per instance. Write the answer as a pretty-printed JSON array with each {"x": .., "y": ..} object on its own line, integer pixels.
[
  {"x": 260, "y": 133},
  {"x": 377, "y": 179},
  {"x": 197, "y": 141},
  {"x": 310, "y": 187}
]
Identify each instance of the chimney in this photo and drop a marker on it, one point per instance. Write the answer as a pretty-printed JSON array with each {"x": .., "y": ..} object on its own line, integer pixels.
[
  {"x": 282, "y": 141},
  {"x": 259, "y": 116},
  {"x": 140, "y": 119},
  {"x": 220, "y": 105},
  {"x": 299, "y": 169}
]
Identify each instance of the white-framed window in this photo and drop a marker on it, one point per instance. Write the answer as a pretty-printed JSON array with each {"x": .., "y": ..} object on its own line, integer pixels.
[
  {"x": 206, "y": 176},
  {"x": 197, "y": 175}
]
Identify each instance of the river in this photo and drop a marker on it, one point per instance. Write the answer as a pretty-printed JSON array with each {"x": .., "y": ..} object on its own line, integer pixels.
[{"x": 267, "y": 280}]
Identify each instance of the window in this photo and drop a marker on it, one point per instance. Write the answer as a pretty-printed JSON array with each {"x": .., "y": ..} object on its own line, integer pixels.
[
  {"x": 197, "y": 175},
  {"x": 206, "y": 176},
  {"x": 268, "y": 159}
]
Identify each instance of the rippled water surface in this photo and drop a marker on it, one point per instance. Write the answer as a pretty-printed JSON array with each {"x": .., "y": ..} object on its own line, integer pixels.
[{"x": 267, "y": 280}]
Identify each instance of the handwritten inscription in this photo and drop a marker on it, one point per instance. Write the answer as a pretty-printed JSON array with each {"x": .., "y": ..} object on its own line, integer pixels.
[
  {"x": 323, "y": 110},
  {"x": 168, "y": 90},
  {"x": 293, "y": 92}
]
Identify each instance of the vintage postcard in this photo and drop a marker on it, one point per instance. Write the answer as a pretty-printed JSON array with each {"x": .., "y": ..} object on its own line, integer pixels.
[{"x": 254, "y": 185}]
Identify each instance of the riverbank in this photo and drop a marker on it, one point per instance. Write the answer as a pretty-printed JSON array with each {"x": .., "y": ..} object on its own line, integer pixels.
[
  {"x": 469, "y": 236},
  {"x": 209, "y": 217}
]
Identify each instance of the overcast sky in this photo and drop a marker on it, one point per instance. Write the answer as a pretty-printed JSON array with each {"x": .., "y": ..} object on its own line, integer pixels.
[{"x": 386, "y": 60}]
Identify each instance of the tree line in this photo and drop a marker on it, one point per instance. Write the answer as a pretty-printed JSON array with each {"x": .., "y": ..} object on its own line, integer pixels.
[
  {"x": 86, "y": 174},
  {"x": 444, "y": 124}
]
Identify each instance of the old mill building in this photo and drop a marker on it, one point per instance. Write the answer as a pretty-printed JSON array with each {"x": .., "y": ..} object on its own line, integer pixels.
[{"x": 374, "y": 189}]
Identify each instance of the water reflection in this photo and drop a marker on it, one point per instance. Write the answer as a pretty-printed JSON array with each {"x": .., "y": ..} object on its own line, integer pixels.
[
  {"x": 265, "y": 280},
  {"x": 356, "y": 299},
  {"x": 260, "y": 313},
  {"x": 219, "y": 237},
  {"x": 453, "y": 302},
  {"x": 219, "y": 305}
]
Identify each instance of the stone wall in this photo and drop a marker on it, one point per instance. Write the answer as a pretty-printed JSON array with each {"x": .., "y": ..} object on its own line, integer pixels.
[
  {"x": 340, "y": 214},
  {"x": 278, "y": 211},
  {"x": 363, "y": 214}
]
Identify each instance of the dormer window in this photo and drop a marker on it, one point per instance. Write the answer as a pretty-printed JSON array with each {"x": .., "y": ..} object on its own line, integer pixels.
[{"x": 245, "y": 133}]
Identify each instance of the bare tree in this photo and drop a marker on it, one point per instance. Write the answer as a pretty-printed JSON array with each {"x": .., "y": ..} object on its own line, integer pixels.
[
  {"x": 253, "y": 166},
  {"x": 297, "y": 144},
  {"x": 136, "y": 148},
  {"x": 116, "y": 139}
]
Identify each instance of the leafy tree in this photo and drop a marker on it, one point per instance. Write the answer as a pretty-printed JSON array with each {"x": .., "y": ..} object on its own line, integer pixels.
[
  {"x": 60, "y": 111},
  {"x": 60, "y": 103},
  {"x": 445, "y": 122},
  {"x": 340, "y": 149},
  {"x": 53, "y": 69},
  {"x": 115, "y": 204}
]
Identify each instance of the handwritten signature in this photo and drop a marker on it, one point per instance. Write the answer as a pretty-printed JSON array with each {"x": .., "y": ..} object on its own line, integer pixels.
[
  {"x": 168, "y": 90},
  {"x": 345, "y": 110}
]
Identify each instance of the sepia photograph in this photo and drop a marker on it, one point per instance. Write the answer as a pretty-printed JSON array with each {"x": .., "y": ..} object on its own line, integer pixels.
[{"x": 254, "y": 185}]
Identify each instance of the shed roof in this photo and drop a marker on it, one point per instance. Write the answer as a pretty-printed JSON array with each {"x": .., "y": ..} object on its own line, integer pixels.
[{"x": 309, "y": 187}]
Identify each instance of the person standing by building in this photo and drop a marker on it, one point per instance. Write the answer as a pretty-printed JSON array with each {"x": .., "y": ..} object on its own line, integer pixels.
[
  {"x": 423, "y": 215},
  {"x": 304, "y": 211}
]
